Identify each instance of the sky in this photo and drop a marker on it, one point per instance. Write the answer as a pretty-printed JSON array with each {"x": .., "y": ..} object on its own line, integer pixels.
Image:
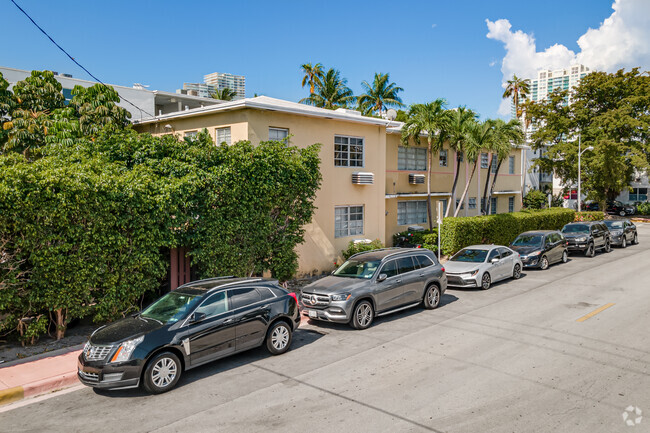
[{"x": 462, "y": 51}]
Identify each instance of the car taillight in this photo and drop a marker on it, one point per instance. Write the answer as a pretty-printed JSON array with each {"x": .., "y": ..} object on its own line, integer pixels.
[
  {"x": 443, "y": 269},
  {"x": 294, "y": 296}
]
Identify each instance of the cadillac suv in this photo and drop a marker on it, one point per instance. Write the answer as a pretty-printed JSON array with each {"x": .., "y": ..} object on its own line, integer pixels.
[{"x": 586, "y": 237}]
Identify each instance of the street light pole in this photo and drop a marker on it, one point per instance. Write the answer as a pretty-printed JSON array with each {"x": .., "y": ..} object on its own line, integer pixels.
[{"x": 579, "y": 196}]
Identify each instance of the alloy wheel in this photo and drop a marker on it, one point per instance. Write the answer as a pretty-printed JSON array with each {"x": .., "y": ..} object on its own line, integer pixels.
[
  {"x": 636, "y": 239},
  {"x": 486, "y": 281},
  {"x": 543, "y": 263},
  {"x": 565, "y": 257},
  {"x": 608, "y": 246},
  {"x": 517, "y": 272},
  {"x": 364, "y": 314},
  {"x": 164, "y": 372},
  {"x": 433, "y": 296},
  {"x": 624, "y": 242}
]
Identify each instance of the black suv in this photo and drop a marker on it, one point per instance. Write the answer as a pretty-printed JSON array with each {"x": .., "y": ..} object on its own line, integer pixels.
[
  {"x": 197, "y": 323},
  {"x": 613, "y": 207},
  {"x": 538, "y": 249},
  {"x": 586, "y": 237}
]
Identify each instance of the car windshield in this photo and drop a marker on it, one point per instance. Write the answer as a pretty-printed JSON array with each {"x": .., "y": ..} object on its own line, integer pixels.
[
  {"x": 470, "y": 255},
  {"x": 357, "y": 269},
  {"x": 528, "y": 241},
  {"x": 614, "y": 224},
  {"x": 171, "y": 307},
  {"x": 576, "y": 228}
]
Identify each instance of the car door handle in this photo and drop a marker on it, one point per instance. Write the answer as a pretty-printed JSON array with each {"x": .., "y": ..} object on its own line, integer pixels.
[
  {"x": 227, "y": 321},
  {"x": 398, "y": 281}
]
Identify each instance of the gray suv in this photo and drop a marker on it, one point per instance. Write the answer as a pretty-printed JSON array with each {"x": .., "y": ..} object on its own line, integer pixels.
[{"x": 374, "y": 283}]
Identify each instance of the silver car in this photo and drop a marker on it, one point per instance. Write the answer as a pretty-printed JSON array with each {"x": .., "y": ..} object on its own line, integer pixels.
[
  {"x": 375, "y": 283},
  {"x": 482, "y": 265}
]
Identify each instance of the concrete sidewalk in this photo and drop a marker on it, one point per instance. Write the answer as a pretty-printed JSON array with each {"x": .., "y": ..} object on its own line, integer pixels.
[{"x": 43, "y": 375}]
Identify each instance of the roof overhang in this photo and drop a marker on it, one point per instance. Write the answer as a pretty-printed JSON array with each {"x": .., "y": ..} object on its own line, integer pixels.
[
  {"x": 506, "y": 192},
  {"x": 418, "y": 194}
]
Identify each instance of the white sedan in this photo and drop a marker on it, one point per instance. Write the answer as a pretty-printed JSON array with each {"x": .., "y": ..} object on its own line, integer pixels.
[{"x": 482, "y": 265}]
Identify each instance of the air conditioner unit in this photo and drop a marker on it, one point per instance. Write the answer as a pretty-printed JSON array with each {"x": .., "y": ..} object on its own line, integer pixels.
[
  {"x": 415, "y": 228},
  {"x": 362, "y": 178},
  {"x": 415, "y": 179}
]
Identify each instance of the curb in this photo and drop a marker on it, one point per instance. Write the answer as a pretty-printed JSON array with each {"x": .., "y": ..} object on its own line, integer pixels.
[{"x": 11, "y": 395}]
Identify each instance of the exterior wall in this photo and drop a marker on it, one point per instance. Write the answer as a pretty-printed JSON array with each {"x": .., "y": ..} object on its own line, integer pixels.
[{"x": 236, "y": 120}]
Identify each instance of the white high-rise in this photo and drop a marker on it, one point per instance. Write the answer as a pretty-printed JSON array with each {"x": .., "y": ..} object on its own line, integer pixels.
[{"x": 221, "y": 80}]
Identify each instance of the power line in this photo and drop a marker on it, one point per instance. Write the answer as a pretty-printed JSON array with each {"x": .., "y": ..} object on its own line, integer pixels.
[{"x": 72, "y": 58}]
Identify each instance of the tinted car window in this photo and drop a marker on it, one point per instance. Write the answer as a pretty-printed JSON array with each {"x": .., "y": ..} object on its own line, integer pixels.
[
  {"x": 214, "y": 305},
  {"x": 265, "y": 293},
  {"x": 493, "y": 254},
  {"x": 242, "y": 297},
  {"x": 505, "y": 252},
  {"x": 390, "y": 269},
  {"x": 405, "y": 265},
  {"x": 424, "y": 261}
]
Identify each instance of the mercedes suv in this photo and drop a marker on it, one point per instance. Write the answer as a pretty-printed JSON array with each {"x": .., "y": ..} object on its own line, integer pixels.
[{"x": 374, "y": 283}]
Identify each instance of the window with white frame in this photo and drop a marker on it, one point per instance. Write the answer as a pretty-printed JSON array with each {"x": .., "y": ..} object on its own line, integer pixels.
[
  {"x": 511, "y": 165},
  {"x": 348, "y": 221},
  {"x": 348, "y": 151},
  {"x": 411, "y": 158},
  {"x": 223, "y": 135},
  {"x": 639, "y": 194},
  {"x": 484, "y": 160},
  {"x": 493, "y": 205},
  {"x": 411, "y": 212},
  {"x": 278, "y": 134},
  {"x": 471, "y": 203},
  {"x": 191, "y": 133},
  {"x": 494, "y": 164},
  {"x": 443, "y": 158},
  {"x": 511, "y": 204}
]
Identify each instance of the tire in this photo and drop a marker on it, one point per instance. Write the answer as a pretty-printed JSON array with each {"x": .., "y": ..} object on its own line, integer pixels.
[
  {"x": 624, "y": 242},
  {"x": 636, "y": 239},
  {"x": 278, "y": 338},
  {"x": 608, "y": 246},
  {"x": 516, "y": 272},
  {"x": 486, "y": 281},
  {"x": 591, "y": 250},
  {"x": 162, "y": 373},
  {"x": 432, "y": 297},
  {"x": 362, "y": 315},
  {"x": 565, "y": 256},
  {"x": 543, "y": 263},
  {"x": 622, "y": 213}
]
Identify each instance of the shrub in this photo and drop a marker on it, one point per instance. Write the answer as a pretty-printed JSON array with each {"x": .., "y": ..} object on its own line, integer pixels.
[
  {"x": 499, "y": 229},
  {"x": 590, "y": 216},
  {"x": 430, "y": 240},
  {"x": 643, "y": 208},
  {"x": 354, "y": 248},
  {"x": 413, "y": 239},
  {"x": 535, "y": 199}
]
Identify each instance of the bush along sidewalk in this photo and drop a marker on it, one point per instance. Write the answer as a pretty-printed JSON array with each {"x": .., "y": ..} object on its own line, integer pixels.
[
  {"x": 414, "y": 239},
  {"x": 589, "y": 216}
]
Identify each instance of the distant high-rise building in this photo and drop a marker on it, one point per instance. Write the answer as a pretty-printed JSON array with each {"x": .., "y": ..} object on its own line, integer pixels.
[
  {"x": 221, "y": 80},
  {"x": 198, "y": 89}
]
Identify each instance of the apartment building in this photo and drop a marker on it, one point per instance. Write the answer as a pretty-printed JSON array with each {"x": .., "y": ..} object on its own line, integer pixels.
[
  {"x": 372, "y": 186},
  {"x": 220, "y": 80}
]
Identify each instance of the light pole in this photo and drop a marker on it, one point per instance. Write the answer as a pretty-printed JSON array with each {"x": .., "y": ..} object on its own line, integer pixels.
[{"x": 579, "y": 155}]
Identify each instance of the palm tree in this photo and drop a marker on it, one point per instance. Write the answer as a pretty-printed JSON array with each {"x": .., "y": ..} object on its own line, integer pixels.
[
  {"x": 517, "y": 88},
  {"x": 382, "y": 93},
  {"x": 313, "y": 75},
  {"x": 505, "y": 136},
  {"x": 432, "y": 120},
  {"x": 224, "y": 94},
  {"x": 480, "y": 136},
  {"x": 460, "y": 120},
  {"x": 331, "y": 92}
]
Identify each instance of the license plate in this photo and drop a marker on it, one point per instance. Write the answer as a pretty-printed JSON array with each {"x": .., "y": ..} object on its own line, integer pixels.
[{"x": 313, "y": 314}]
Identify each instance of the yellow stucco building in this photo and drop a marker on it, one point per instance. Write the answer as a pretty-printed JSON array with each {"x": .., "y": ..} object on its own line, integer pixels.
[{"x": 372, "y": 186}]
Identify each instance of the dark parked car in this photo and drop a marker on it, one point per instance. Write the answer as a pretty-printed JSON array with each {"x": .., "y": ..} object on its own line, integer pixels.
[
  {"x": 375, "y": 283},
  {"x": 614, "y": 207},
  {"x": 587, "y": 237},
  {"x": 623, "y": 232},
  {"x": 539, "y": 249},
  {"x": 197, "y": 323}
]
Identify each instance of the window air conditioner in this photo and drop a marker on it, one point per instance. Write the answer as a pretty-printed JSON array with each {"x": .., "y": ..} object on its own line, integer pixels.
[
  {"x": 361, "y": 178},
  {"x": 415, "y": 179}
]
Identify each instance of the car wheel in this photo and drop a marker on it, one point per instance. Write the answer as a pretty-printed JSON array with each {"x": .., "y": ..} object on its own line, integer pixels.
[
  {"x": 624, "y": 242},
  {"x": 486, "y": 281},
  {"x": 591, "y": 250},
  {"x": 636, "y": 239},
  {"x": 565, "y": 256},
  {"x": 516, "y": 273},
  {"x": 622, "y": 213},
  {"x": 278, "y": 338},
  {"x": 162, "y": 373},
  {"x": 432, "y": 297},
  {"x": 543, "y": 263},
  {"x": 362, "y": 315},
  {"x": 608, "y": 246}
]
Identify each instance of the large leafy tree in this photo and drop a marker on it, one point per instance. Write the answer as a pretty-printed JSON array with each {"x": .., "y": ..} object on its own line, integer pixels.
[
  {"x": 331, "y": 92},
  {"x": 517, "y": 89},
  {"x": 225, "y": 94},
  {"x": 432, "y": 121},
  {"x": 313, "y": 75},
  {"x": 460, "y": 121},
  {"x": 609, "y": 111},
  {"x": 379, "y": 95}
]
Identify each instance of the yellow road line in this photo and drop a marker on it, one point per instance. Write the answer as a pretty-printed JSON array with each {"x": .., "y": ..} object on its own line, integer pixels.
[{"x": 593, "y": 313}]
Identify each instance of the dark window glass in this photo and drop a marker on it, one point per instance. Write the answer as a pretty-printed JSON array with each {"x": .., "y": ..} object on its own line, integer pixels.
[
  {"x": 405, "y": 265},
  {"x": 214, "y": 305},
  {"x": 390, "y": 269},
  {"x": 505, "y": 252},
  {"x": 425, "y": 262},
  {"x": 265, "y": 293},
  {"x": 493, "y": 254},
  {"x": 243, "y": 297}
]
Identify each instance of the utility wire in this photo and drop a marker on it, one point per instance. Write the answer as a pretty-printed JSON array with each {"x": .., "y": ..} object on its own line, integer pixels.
[{"x": 72, "y": 58}]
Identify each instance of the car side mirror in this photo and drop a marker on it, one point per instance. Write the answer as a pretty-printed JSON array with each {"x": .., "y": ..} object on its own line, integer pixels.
[
  {"x": 381, "y": 277},
  {"x": 197, "y": 317},
  {"x": 495, "y": 260}
]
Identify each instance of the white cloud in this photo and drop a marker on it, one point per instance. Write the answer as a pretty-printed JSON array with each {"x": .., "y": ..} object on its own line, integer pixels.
[
  {"x": 621, "y": 41},
  {"x": 492, "y": 63},
  {"x": 434, "y": 25}
]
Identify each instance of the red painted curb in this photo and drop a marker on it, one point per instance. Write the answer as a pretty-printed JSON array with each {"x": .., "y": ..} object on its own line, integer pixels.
[{"x": 50, "y": 384}]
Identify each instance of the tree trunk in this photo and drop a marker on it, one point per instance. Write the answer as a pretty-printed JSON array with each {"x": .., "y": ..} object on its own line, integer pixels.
[
  {"x": 484, "y": 205},
  {"x": 462, "y": 198},
  {"x": 59, "y": 320},
  {"x": 494, "y": 181},
  {"x": 453, "y": 187},
  {"x": 430, "y": 155}
]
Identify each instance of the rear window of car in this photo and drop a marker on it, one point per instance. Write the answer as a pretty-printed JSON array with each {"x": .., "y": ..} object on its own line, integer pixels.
[
  {"x": 265, "y": 293},
  {"x": 424, "y": 261},
  {"x": 243, "y": 297},
  {"x": 405, "y": 264}
]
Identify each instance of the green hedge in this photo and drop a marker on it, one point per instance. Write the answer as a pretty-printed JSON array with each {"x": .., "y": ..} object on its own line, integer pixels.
[
  {"x": 500, "y": 229},
  {"x": 354, "y": 248},
  {"x": 590, "y": 216},
  {"x": 643, "y": 208}
]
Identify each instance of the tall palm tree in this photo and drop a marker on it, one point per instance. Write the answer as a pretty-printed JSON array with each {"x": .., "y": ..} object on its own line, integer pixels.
[
  {"x": 224, "y": 94},
  {"x": 517, "y": 89},
  {"x": 313, "y": 75},
  {"x": 430, "y": 119},
  {"x": 460, "y": 120},
  {"x": 480, "y": 137},
  {"x": 506, "y": 135},
  {"x": 382, "y": 93},
  {"x": 331, "y": 92}
]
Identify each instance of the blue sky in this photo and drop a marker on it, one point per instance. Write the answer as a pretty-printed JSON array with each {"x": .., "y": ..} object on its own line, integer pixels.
[{"x": 430, "y": 48}]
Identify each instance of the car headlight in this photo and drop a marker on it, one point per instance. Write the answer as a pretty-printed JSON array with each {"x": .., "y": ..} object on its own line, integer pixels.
[
  {"x": 473, "y": 273},
  {"x": 582, "y": 239},
  {"x": 341, "y": 297},
  {"x": 617, "y": 232},
  {"x": 534, "y": 254},
  {"x": 126, "y": 349}
]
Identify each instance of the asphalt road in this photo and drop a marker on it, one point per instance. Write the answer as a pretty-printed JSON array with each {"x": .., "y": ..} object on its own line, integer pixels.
[{"x": 514, "y": 358}]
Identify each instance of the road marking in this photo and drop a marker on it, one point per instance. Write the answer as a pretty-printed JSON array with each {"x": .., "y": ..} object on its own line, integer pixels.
[{"x": 596, "y": 311}]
